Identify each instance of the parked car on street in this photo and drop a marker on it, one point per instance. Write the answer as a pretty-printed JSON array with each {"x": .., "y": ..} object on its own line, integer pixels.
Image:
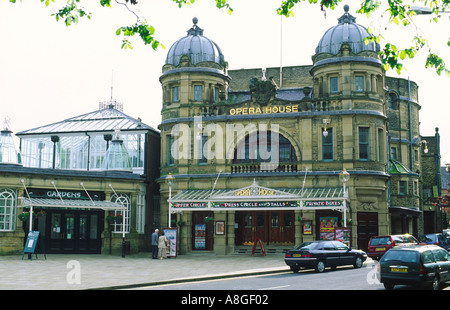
[
  {"x": 436, "y": 239},
  {"x": 420, "y": 265},
  {"x": 322, "y": 254},
  {"x": 381, "y": 244},
  {"x": 446, "y": 233}
]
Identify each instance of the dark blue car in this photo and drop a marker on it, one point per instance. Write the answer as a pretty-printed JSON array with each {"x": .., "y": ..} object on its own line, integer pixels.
[
  {"x": 323, "y": 253},
  {"x": 419, "y": 265},
  {"x": 436, "y": 239}
]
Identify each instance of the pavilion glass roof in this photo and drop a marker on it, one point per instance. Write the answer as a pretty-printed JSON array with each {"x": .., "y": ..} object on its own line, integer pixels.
[{"x": 108, "y": 119}]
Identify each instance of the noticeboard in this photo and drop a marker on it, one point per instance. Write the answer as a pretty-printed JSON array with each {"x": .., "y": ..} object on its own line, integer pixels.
[
  {"x": 171, "y": 235},
  {"x": 30, "y": 245}
]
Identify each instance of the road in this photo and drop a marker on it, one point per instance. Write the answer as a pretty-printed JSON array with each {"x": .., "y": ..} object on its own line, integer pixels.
[{"x": 343, "y": 278}]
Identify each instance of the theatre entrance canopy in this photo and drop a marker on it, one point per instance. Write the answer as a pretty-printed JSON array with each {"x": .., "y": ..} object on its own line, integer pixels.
[{"x": 258, "y": 198}]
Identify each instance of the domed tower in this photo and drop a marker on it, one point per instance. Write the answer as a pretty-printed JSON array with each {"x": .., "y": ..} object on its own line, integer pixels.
[
  {"x": 348, "y": 80},
  {"x": 194, "y": 75},
  {"x": 347, "y": 64},
  {"x": 349, "y": 94}
]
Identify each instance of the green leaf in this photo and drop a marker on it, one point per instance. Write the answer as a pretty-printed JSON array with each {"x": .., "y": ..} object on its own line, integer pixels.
[
  {"x": 402, "y": 54},
  {"x": 118, "y": 31}
]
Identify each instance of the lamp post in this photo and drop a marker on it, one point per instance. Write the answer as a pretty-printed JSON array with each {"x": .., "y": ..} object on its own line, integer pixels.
[
  {"x": 425, "y": 148},
  {"x": 170, "y": 180},
  {"x": 325, "y": 122},
  {"x": 344, "y": 176}
]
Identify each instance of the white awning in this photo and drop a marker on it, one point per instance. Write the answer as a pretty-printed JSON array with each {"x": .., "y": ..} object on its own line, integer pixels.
[
  {"x": 70, "y": 203},
  {"x": 255, "y": 197}
]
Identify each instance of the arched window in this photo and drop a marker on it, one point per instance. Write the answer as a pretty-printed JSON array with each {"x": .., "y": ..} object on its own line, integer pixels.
[
  {"x": 124, "y": 200},
  {"x": 260, "y": 147},
  {"x": 7, "y": 210},
  {"x": 392, "y": 101}
]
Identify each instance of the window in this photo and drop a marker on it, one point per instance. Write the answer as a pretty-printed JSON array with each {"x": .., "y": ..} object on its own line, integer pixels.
[
  {"x": 170, "y": 158},
  {"x": 441, "y": 255},
  {"x": 198, "y": 92},
  {"x": 140, "y": 213},
  {"x": 256, "y": 148},
  {"x": 393, "y": 153},
  {"x": 428, "y": 257},
  {"x": 380, "y": 144},
  {"x": 359, "y": 83},
  {"x": 327, "y": 145},
  {"x": 124, "y": 200},
  {"x": 216, "y": 94},
  {"x": 402, "y": 187},
  {"x": 175, "y": 94},
  {"x": 328, "y": 246},
  {"x": 392, "y": 99},
  {"x": 364, "y": 143},
  {"x": 7, "y": 210},
  {"x": 203, "y": 150},
  {"x": 334, "y": 87}
]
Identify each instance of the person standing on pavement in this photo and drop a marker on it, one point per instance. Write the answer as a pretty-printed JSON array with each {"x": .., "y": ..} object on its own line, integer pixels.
[
  {"x": 155, "y": 244},
  {"x": 162, "y": 246}
]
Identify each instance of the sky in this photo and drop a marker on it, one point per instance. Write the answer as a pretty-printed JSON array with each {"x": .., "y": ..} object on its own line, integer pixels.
[{"x": 50, "y": 72}]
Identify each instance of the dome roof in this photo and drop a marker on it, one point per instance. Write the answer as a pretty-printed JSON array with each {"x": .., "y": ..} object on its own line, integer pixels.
[
  {"x": 198, "y": 47},
  {"x": 346, "y": 31}
]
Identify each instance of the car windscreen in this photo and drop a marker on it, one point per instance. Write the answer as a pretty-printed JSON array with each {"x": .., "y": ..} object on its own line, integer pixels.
[
  {"x": 380, "y": 241},
  {"x": 402, "y": 256}
]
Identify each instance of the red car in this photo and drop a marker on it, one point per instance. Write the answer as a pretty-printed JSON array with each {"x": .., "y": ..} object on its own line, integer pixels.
[{"x": 381, "y": 244}]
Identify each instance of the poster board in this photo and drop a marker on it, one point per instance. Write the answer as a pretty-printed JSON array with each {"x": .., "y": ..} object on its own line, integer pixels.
[
  {"x": 30, "y": 245},
  {"x": 171, "y": 235},
  {"x": 327, "y": 226},
  {"x": 343, "y": 234},
  {"x": 200, "y": 236}
]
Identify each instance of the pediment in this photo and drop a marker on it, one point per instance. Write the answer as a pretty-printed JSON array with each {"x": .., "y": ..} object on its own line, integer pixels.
[{"x": 253, "y": 191}]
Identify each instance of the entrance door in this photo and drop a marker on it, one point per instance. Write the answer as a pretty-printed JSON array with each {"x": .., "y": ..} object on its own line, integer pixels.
[
  {"x": 281, "y": 227},
  {"x": 252, "y": 225},
  {"x": 367, "y": 227},
  {"x": 74, "y": 231},
  {"x": 273, "y": 227}
]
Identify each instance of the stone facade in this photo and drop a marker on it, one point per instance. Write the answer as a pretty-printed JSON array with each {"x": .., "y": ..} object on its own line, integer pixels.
[{"x": 340, "y": 113}]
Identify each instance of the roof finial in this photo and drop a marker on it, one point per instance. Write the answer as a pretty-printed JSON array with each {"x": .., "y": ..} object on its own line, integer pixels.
[
  {"x": 7, "y": 122},
  {"x": 195, "y": 30},
  {"x": 346, "y": 18},
  {"x": 346, "y": 8}
]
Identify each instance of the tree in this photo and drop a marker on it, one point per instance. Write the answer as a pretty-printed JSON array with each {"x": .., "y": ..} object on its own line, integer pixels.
[
  {"x": 399, "y": 14},
  {"x": 391, "y": 56}
]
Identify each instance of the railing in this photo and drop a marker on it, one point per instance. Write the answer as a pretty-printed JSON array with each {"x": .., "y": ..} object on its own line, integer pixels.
[{"x": 263, "y": 167}]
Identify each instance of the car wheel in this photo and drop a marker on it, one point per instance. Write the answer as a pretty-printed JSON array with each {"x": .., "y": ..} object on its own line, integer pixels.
[
  {"x": 320, "y": 267},
  {"x": 435, "y": 284},
  {"x": 295, "y": 269},
  {"x": 388, "y": 286},
  {"x": 358, "y": 262}
]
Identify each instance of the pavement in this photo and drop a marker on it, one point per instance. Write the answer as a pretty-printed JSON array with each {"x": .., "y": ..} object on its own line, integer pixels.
[{"x": 81, "y": 272}]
